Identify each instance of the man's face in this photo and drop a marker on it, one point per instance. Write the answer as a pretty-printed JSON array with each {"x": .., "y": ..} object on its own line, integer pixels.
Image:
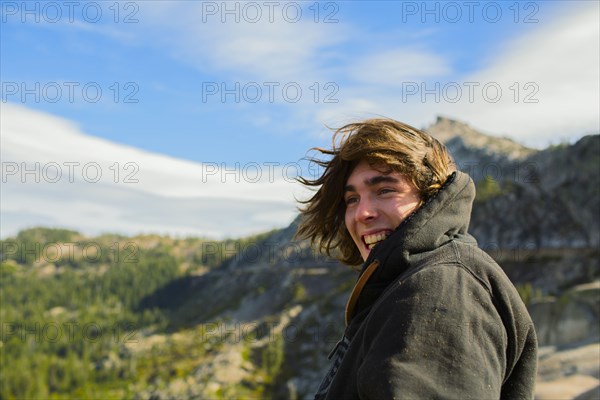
[{"x": 376, "y": 203}]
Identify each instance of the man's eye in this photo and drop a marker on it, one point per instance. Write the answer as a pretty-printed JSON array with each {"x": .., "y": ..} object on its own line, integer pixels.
[
  {"x": 351, "y": 200},
  {"x": 385, "y": 190}
]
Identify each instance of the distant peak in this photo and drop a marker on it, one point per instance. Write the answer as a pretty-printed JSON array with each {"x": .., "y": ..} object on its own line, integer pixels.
[
  {"x": 441, "y": 119},
  {"x": 445, "y": 121},
  {"x": 446, "y": 129}
]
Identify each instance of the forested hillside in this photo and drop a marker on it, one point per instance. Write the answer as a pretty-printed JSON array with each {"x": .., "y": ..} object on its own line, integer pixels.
[
  {"x": 73, "y": 311},
  {"x": 159, "y": 317}
]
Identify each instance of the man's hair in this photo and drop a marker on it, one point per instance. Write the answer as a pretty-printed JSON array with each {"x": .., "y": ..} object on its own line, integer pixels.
[{"x": 385, "y": 144}]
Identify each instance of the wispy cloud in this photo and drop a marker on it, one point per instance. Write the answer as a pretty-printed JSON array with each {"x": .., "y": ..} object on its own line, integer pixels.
[
  {"x": 395, "y": 66},
  {"x": 91, "y": 184},
  {"x": 549, "y": 79},
  {"x": 552, "y": 62},
  {"x": 269, "y": 49}
]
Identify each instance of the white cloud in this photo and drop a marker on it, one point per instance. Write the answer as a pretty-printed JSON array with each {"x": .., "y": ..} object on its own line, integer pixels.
[
  {"x": 557, "y": 63},
  {"x": 170, "y": 195},
  {"x": 561, "y": 62},
  {"x": 392, "y": 67},
  {"x": 348, "y": 63},
  {"x": 273, "y": 48}
]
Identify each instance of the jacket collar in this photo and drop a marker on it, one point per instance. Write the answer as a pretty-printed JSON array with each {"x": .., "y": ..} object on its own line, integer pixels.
[{"x": 443, "y": 217}]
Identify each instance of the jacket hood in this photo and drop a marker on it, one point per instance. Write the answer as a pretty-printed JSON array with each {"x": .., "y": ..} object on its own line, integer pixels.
[{"x": 445, "y": 216}]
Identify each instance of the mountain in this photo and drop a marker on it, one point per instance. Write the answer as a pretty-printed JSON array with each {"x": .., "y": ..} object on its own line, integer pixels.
[
  {"x": 474, "y": 151},
  {"x": 256, "y": 317},
  {"x": 536, "y": 212},
  {"x": 528, "y": 198},
  {"x": 520, "y": 215}
]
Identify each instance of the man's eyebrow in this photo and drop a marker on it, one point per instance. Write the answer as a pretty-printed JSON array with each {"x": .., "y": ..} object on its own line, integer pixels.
[
  {"x": 381, "y": 178},
  {"x": 373, "y": 181}
]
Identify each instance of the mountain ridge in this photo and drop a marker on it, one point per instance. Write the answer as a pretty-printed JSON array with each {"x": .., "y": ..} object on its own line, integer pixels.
[{"x": 255, "y": 317}]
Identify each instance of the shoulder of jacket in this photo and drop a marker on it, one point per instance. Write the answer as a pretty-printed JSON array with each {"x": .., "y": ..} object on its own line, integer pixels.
[{"x": 450, "y": 258}]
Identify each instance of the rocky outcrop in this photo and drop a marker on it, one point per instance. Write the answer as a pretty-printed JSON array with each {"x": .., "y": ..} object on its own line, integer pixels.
[
  {"x": 571, "y": 318},
  {"x": 545, "y": 199},
  {"x": 570, "y": 373},
  {"x": 540, "y": 223},
  {"x": 468, "y": 145}
]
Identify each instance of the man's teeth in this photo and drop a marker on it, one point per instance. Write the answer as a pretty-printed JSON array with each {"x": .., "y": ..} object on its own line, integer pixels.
[{"x": 372, "y": 240}]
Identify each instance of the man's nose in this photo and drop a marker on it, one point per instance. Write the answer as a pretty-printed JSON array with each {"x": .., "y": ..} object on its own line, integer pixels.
[{"x": 366, "y": 210}]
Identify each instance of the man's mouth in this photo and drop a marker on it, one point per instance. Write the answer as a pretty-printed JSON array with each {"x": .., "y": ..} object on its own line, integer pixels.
[{"x": 374, "y": 239}]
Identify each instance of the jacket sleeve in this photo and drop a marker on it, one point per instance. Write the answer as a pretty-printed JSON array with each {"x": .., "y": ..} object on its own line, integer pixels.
[{"x": 435, "y": 335}]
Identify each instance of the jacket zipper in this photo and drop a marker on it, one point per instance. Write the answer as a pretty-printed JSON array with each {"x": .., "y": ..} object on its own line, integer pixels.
[{"x": 332, "y": 352}]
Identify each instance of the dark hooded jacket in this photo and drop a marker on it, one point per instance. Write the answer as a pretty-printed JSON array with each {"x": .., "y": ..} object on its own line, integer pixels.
[{"x": 434, "y": 317}]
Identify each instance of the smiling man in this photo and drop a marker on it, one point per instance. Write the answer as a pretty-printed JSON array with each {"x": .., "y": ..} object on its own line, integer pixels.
[
  {"x": 431, "y": 315},
  {"x": 376, "y": 203}
]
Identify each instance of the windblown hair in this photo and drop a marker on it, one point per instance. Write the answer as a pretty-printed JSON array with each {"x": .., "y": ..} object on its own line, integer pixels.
[{"x": 386, "y": 144}]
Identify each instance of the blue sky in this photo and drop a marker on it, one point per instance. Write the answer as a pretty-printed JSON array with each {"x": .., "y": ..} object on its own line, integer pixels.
[
  {"x": 167, "y": 78},
  {"x": 172, "y": 59}
]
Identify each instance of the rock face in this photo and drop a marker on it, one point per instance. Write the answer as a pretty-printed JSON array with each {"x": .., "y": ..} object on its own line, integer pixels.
[
  {"x": 569, "y": 373},
  {"x": 540, "y": 222},
  {"x": 571, "y": 318},
  {"x": 548, "y": 198},
  {"x": 475, "y": 152}
]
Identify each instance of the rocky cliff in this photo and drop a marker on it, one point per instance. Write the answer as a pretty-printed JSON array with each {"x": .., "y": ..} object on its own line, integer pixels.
[
  {"x": 528, "y": 198},
  {"x": 255, "y": 318},
  {"x": 281, "y": 304}
]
